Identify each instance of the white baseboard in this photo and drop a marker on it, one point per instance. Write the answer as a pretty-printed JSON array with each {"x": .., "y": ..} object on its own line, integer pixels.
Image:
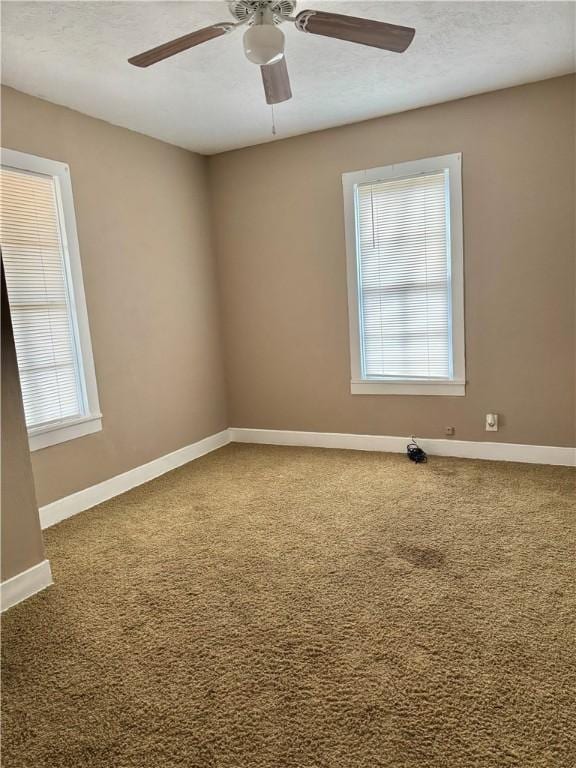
[
  {"x": 534, "y": 454},
  {"x": 96, "y": 494},
  {"x": 77, "y": 502},
  {"x": 25, "y": 584}
]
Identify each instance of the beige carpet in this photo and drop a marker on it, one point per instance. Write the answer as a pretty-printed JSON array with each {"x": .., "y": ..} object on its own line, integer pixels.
[{"x": 279, "y": 607}]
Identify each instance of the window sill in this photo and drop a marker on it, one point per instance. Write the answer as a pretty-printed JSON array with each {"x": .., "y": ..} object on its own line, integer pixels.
[
  {"x": 43, "y": 437},
  {"x": 408, "y": 387}
]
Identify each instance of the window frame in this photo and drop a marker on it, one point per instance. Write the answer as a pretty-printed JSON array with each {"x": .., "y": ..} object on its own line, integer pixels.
[
  {"x": 91, "y": 420},
  {"x": 456, "y": 384}
]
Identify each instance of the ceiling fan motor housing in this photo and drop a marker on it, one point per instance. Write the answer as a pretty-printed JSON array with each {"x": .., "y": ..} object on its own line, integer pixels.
[{"x": 249, "y": 10}]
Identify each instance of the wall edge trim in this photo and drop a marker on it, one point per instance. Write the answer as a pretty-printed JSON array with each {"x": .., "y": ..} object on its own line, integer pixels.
[
  {"x": 532, "y": 454},
  {"x": 61, "y": 509},
  {"x": 67, "y": 506},
  {"x": 25, "y": 584}
]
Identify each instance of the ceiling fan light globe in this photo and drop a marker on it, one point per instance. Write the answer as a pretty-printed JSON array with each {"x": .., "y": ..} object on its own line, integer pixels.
[{"x": 263, "y": 44}]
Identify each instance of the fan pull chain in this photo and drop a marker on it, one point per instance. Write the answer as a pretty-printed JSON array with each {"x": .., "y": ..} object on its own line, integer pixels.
[{"x": 273, "y": 121}]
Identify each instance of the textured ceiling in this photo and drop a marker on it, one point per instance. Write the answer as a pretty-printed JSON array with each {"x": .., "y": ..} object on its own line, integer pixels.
[{"x": 210, "y": 98}]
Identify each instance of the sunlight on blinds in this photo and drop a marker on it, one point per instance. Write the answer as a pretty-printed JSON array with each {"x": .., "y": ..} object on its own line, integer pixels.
[
  {"x": 404, "y": 277},
  {"x": 33, "y": 256}
]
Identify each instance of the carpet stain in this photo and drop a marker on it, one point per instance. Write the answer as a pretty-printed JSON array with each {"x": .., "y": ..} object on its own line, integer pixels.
[
  {"x": 423, "y": 557},
  {"x": 271, "y": 607}
]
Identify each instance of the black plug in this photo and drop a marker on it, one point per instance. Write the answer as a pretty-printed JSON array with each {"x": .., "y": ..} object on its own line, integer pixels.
[{"x": 415, "y": 453}]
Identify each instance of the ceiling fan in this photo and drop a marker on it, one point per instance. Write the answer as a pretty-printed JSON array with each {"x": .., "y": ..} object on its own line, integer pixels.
[{"x": 264, "y": 41}]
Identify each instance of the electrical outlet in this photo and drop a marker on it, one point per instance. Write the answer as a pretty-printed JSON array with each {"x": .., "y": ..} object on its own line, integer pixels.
[
  {"x": 449, "y": 431},
  {"x": 491, "y": 422}
]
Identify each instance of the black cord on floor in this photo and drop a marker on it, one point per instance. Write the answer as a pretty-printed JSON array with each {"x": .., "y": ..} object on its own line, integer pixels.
[{"x": 415, "y": 453}]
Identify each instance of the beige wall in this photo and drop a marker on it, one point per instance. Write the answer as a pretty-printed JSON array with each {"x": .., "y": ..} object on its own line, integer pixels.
[
  {"x": 143, "y": 211},
  {"x": 21, "y": 536},
  {"x": 278, "y": 220},
  {"x": 142, "y": 215}
]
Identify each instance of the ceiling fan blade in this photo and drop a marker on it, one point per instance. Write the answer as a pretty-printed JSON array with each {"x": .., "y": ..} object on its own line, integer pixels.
[
  {"x": 180, "y": 44},
  {"x": 377, "y": 34},
  {"x": 276, "y": 82}
]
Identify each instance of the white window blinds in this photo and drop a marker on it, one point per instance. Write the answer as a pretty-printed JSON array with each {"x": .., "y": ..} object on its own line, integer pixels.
[
  {"x": 403, "y": 255},
  {"x": 33, "y": 251}
]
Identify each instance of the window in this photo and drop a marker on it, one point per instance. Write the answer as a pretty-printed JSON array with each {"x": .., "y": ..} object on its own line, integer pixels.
[
  {"x": 44, "y": 280},
  {"x": 405, "y": 278}
]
